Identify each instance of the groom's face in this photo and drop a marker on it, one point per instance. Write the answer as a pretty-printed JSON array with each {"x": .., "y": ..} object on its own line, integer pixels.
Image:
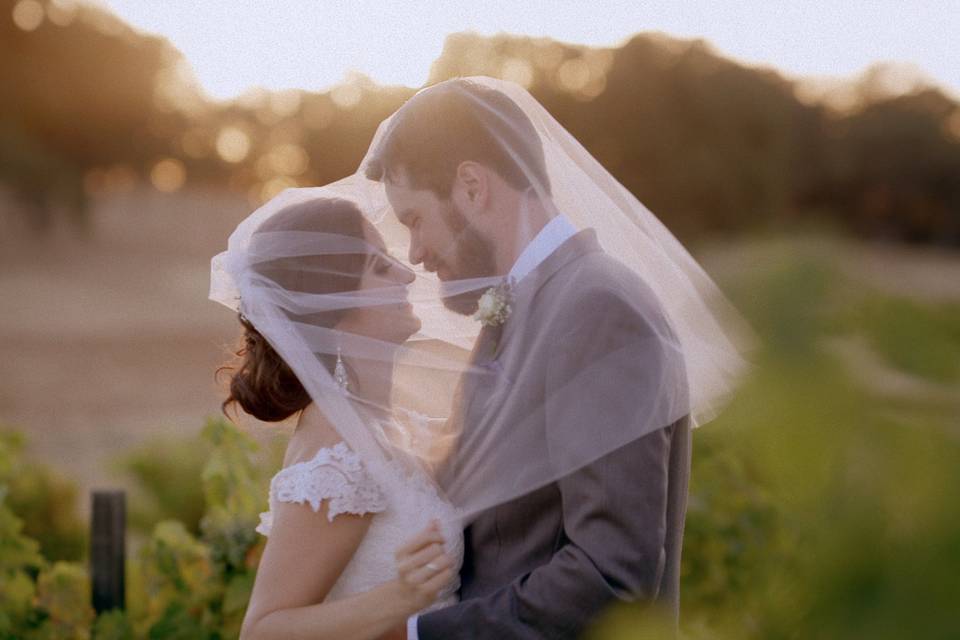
[{"x": 443, "y": 239}]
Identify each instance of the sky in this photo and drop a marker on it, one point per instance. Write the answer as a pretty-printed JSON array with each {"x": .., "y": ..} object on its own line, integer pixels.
[{"x": 233, "y": 45}]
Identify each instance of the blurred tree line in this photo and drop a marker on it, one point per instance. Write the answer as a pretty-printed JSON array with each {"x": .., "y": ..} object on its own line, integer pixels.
[{"x": 709, "y": 145}]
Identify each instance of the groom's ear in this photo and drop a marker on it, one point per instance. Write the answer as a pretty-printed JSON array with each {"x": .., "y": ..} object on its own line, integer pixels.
[{"x": 471, "y": 186}]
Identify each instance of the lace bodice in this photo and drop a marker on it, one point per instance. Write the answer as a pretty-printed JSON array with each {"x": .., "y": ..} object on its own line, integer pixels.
[{"x": 401, "y": 510}]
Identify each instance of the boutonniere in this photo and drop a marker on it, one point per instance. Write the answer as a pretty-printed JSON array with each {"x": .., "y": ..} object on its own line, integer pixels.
[{"x": 494, "y": 306}]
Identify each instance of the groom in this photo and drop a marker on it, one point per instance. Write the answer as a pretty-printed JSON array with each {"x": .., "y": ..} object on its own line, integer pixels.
[{"x": 546, "y": 564}]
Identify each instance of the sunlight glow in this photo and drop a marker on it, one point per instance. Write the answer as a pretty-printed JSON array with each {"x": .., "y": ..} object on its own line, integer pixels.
[
  {"x": 233, "y": 144},
  {"x": 302, "y": 44}
]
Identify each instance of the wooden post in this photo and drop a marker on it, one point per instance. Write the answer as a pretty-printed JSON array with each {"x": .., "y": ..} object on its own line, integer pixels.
[{"x": 107, "y": 550}]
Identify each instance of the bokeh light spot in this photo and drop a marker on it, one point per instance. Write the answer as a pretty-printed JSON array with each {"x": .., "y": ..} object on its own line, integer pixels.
[
  {"x": 285, "y": 103},
  {"x": 346, "y": 96},
  {"x": 275, "y": 186},
  {"x": 233, "y": 144},
  {"x": 517, "y": 70},
  {"x": 573, "y": 75},
  {"x": 289, "y": 159},
  {"x": 28, "y": 14},
  {"x": 168, "y": 175}
]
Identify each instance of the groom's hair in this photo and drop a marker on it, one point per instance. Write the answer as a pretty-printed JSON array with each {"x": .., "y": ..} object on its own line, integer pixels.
[{"x": 453, "y": 122}]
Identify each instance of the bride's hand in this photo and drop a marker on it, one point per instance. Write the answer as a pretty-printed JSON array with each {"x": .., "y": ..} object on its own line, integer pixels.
[{"x": 423, "y": 568}]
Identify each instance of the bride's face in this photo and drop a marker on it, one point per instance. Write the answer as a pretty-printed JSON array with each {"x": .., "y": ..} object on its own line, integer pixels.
[{"x": 393, "y": 321}]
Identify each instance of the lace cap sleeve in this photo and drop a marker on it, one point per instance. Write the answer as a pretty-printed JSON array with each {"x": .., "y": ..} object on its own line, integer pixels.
[{"x": 335, "y": 474}]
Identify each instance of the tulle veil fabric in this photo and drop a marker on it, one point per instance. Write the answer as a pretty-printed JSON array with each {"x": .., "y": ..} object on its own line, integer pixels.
[{"x": 686, "y": 360}]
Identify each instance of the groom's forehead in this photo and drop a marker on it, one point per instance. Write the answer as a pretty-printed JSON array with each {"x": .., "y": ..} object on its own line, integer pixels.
[{"x": 407, "y": 200}]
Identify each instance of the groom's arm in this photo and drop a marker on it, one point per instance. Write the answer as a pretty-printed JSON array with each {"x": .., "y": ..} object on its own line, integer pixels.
[
  {"x": 614, "y": 551},
  {"x": 614, "y": 509}
]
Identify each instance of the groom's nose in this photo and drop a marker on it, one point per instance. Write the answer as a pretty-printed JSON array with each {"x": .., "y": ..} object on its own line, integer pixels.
[{"x": 416, "y": 252}]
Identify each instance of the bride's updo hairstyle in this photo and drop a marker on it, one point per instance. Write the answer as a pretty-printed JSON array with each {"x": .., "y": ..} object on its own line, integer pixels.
[{"x": 260, "y": 381}]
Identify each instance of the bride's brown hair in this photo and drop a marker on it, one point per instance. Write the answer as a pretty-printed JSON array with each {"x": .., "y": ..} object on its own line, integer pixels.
[{"x": 261, "y": 383}]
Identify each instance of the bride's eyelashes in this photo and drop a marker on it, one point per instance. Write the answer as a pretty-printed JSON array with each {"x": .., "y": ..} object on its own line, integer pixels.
[{"x": 383, "y": 263}]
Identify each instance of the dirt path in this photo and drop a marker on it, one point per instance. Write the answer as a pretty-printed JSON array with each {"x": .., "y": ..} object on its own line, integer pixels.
[{"x": 109, "y": 341}]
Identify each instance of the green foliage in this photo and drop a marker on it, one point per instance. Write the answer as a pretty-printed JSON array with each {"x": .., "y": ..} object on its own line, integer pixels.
[
  {"x": 113, "y": 625},
  {"x": 63, "y": 595},
  {"x": 20, "y": 558},
  {"x": 166, "y": 473},
  {"x": 181, "y": 585},
  {"x": 177, "y": 573},
  {"x": 18, "y": 552},
  {"x": 178, "y": 623},
  {"x": 47, "y": 503},
  {"x": 235, "y": 489},
  {"x": 732, "y": 532},
  {"x": 922, "y": 339},
  {"x": 818, "y": 507},
  {"x": 43, "y": 500},
  {"x": 199, "y": 587}
]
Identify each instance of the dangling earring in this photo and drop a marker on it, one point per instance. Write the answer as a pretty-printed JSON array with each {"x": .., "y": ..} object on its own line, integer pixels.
[{"x": 340, "y": 373}]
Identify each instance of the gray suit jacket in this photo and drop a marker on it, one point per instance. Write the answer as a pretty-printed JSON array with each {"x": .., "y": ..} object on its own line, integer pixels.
[{"x": 545, "y": 564}]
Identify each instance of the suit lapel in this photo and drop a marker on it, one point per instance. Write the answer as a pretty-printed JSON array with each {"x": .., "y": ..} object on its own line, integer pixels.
[{"x": 576, "y": 246}]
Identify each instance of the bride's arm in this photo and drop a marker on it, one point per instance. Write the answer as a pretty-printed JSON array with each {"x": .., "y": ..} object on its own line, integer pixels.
[{"x": 305, "y": 555}]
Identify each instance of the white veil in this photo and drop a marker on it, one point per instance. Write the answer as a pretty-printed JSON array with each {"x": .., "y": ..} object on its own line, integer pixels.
[{"x": 492, "y": 414}]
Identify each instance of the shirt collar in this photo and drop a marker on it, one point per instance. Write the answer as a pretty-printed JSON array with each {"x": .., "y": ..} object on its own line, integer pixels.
[{"x": 551, "y": 236}]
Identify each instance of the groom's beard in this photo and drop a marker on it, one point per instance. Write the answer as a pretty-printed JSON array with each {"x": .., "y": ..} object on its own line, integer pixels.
[{"x": 472, "y": 257}]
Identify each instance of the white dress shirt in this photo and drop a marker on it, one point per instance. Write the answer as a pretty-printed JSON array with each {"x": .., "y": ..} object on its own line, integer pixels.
[{"x": 551, "y": 236}]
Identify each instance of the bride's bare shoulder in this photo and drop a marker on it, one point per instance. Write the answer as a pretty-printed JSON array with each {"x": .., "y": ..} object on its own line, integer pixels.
[{"x": 312, "y": 433}]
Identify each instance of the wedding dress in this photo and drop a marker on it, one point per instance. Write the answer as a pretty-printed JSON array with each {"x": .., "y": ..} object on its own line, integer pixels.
[{"x": 401, "y": 509}]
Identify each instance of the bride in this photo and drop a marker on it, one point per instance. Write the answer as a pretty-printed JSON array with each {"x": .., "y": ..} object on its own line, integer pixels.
[{"x": 355, "y": 586}]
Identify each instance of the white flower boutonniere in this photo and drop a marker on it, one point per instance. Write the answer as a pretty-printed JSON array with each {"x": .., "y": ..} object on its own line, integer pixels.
[{"x": 494, "y": 306}]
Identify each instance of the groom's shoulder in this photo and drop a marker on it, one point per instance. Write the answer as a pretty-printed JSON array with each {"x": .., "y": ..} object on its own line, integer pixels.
[
  {"x": 596, "y": 292},
  {"x": 597, "y": 279}
]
